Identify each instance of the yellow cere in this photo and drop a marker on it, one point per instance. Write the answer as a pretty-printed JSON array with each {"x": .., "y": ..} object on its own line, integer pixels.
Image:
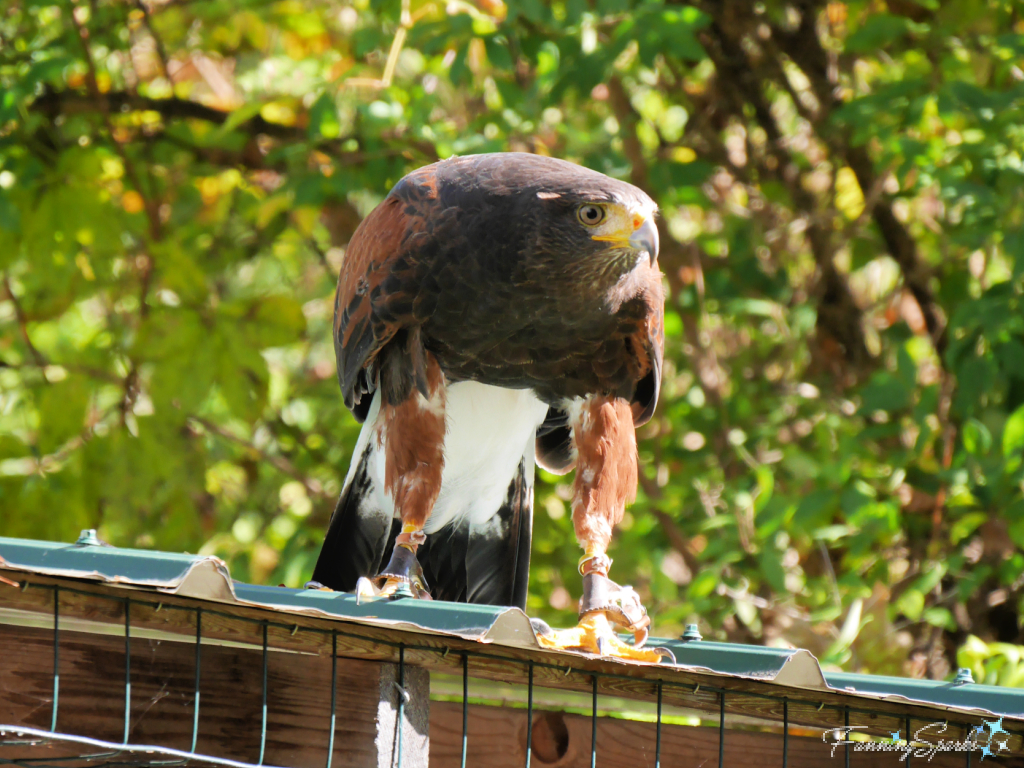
[{"x": 619, "y": 223}]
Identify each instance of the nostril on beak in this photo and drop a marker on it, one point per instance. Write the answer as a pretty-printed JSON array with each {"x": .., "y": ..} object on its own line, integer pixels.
[{"x": 645, "y": 238}]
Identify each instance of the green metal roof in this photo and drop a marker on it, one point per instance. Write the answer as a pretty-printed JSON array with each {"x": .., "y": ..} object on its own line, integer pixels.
[
  {"x": 208, "y": 578},
  {"x": 142, "y": 567},
  {"x": 1000, "y": 701}
]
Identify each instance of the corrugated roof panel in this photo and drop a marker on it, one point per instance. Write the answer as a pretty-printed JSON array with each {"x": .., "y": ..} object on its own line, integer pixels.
[
  {"x": 1001, "y": 701},
  {"x": 104, "y": 563}
]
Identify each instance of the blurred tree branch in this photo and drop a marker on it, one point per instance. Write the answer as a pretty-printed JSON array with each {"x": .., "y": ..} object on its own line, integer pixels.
[
  {"x": 277, "y": 461},
  {"x": 67, "y": 103},
  {"x": 803, "y": 46},
  {"x": 839, "y": 317},
  {"x": 22, "y": 320}
]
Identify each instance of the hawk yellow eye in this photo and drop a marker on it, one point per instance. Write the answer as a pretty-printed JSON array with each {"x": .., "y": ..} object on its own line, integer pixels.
[{"x": 590, "y": 215}]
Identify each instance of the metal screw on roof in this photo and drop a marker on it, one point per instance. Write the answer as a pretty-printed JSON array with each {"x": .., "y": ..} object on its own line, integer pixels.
[
  {"x": 88, "y": 538},
  {"x": 691, "y": 633},
  {"x": 963, "y": 676}
]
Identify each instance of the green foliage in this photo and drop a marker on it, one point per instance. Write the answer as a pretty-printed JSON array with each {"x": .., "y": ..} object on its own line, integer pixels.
[
  {"x": 993, "y": 663},
  {"x": 837, "y": 458}
]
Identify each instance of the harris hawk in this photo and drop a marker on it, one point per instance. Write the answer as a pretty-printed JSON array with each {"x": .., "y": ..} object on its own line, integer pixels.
[{"x": 495, "y": 312}]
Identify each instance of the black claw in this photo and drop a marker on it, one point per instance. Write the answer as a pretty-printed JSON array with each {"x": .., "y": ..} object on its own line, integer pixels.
[
  {"x": 316, "y": 585},
  {"x": 541, "y": 627},
  {"x": 666, "y": 652}
]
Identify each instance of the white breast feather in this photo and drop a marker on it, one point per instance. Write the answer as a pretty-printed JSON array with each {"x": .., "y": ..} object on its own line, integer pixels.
[{"x": 489, "y": 431}]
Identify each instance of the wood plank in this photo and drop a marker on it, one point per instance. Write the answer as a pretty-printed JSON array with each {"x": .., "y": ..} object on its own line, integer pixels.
[
  {"x": 91, "y": 699},
  {"x": 415, "y": 743},
  {"x": 497, "y": 739},
  {"x": 311, "y": 635}
]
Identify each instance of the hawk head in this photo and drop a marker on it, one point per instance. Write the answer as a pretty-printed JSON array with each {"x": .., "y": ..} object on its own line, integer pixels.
[{"x": 590, "y": 226}]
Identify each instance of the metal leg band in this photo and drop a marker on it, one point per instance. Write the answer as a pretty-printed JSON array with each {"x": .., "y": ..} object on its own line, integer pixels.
[{"x": 620, "y": 604}]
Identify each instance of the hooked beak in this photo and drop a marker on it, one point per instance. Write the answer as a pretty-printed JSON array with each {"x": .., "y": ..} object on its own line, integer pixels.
[{"x": 645, "y": 238}]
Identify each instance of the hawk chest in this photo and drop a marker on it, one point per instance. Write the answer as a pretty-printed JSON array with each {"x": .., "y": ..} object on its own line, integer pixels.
[{"x": 561, "y": 345}]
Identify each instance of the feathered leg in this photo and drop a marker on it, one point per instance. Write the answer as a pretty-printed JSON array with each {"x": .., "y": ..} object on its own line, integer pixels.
[
  {"x": 606, "y": 480},
  {"x": 411, "y": 434}
]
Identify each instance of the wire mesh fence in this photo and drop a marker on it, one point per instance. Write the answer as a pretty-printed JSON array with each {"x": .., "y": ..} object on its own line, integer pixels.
[{"x": 785, "y": 712}]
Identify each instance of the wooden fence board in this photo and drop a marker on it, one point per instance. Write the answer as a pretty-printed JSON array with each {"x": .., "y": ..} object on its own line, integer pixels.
[
  {"x": 497, "y": 739},
  {"x": 91, "y": 700}
]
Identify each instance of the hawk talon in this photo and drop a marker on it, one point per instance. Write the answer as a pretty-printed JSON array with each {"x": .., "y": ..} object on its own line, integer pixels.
[
  {"x": 596, "y": 634},
  {"x": 365, "y": 589},
  {"x": 640, "y": 636},
  {"x": 666, "y": 652},
  {"x": 541, "y": 627},
  {"x": 620, "y": 604},
  {"x": 316, "y": 585},
  {"x": 390, "y": 587},
  {"x": 604, "y": 606},
  {"x": 401, "y": 577}
]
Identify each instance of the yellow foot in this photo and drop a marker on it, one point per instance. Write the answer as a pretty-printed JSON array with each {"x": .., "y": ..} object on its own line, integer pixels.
[{"x": 596, "y": 634}]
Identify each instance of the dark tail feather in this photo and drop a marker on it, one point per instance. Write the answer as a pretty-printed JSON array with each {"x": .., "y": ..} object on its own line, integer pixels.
[
  {"x": 357, "y": 535},
  {"x": 555, "y": 451},
  {"x": 488, "y": 563},
  {"x": 443, "y": 558}
]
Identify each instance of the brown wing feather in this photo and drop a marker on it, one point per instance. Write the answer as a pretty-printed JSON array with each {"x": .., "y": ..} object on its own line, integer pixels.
[
  {"x": 378, "y": 286},
  {"x": 649, "y": 348}
]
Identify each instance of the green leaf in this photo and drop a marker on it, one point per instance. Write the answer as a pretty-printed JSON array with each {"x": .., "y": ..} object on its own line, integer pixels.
[
  {"x": 673, "y": 325},
  {"x": 974, "y": 378},
  {"x": 833, "y": 532},
  {"x": 977, "y": 438},
  {"x": 911, "y": 604},
  {"x": 815, "y": 506},
  {"x": 1013, "y": 245},
  {"x": 323, "y": 118},
  {"x": 49, "y": 71},
  {"x": 885, "y": 392},
  {"x": 966, "y": 525},
  {"x": 927, "y": 581},
  {"x": 1013, "y": 434},
  {"x": 939, "y": 617},
  {"x": 771, "y": 569},
  {"x": 498, "y": 53},
  {"x": 241, "y": 115},
  {"x": 704, "y": 584},
  {"x": 879, "y": 32},
  {"x": 1011, "y": 357},
  {"x": 765, "y": 487},
  {"x": 62, "y": 408},
  {"x": 12, "y": 448}
]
